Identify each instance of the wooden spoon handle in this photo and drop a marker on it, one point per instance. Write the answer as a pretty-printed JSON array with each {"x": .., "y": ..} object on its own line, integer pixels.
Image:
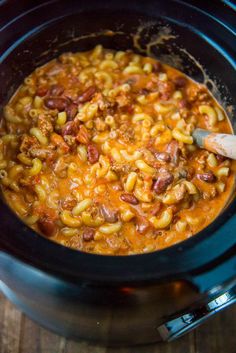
[{"x": 223, "y": 144}]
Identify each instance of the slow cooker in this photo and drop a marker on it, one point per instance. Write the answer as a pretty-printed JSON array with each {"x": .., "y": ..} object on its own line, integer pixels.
[{"x": 136, "y": 299}]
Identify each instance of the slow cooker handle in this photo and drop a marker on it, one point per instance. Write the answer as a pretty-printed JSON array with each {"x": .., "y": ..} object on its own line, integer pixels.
[
  {"x": 219, "y": 285},
  {"x": 191, "y": 319},
  {"x": 217, "y": 281}
]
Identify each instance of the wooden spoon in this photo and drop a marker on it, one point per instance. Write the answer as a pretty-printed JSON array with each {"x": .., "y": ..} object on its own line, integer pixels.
[{"x": 223, "y": 144}]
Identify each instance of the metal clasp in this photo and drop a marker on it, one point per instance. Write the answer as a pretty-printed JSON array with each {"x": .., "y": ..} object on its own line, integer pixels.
[{"x": 190, "y": 320}]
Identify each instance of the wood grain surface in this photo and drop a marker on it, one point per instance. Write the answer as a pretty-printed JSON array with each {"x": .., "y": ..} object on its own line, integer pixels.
[{"x": 18, "y": 334}]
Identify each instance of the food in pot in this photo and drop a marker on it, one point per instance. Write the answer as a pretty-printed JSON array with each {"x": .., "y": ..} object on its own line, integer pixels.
[{"x": 96, "y": 153}]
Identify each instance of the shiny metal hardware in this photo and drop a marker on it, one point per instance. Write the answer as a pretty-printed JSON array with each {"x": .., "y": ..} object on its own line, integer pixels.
[{"x": 190, "y": 320}]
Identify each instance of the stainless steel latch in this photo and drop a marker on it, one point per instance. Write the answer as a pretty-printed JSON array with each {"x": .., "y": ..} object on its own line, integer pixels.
[{"x": 190, "y": 320}]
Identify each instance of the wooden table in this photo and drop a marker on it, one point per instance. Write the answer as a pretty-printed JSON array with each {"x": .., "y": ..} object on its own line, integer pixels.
[{"x": 18, "y": 334}]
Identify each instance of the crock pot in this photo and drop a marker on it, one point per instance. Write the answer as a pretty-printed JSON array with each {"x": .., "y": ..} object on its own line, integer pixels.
[{"x": 134, "y": 299}]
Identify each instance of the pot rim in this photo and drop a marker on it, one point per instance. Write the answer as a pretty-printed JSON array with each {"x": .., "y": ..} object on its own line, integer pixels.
[{"x": 177, "y": 261}]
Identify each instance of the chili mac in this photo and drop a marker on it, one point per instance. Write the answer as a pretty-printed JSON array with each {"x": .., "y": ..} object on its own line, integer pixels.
[{"x": 97, "y": 153}]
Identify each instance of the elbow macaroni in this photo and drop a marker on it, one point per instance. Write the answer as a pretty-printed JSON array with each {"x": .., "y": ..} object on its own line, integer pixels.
[{"x": 164, "y": 220}]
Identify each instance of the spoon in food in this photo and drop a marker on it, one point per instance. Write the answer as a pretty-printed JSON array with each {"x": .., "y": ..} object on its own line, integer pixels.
[{"x": 223, "y": 144}]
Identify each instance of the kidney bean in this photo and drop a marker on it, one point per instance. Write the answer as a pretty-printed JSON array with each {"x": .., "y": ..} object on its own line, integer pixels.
[
  {"x": 56, "y": 103},
  {"x": 157, "y": 66},
  {"x": 110, "y": 215},
  {"x": 129, "y": 198},
  {"x": 155, "y": 208},
  {"x": 41, "y": 91},
  {"x": 180, "y": 81},
  {"x": 162, "y": 156},
  {"x": 166, "y": 89},
  {"x": 87, "y": 94},
  {"x": 88, "y": 234},
  {"x": 71, "y": 111},
  {"x": 111, "y": 110},
  {"x": 161, "y": 183},
  {"x": 174, "y": 151},
  {"x": 69, "y": 128},
  {"x": 208, "y": 177},
  {"x": 56, "y": 90},
  {"x": 47, "y": 226},
  {"x": 93, "y": 154},
  {"x": 183, "y": 103},
  {"x": 220, "y": 158},
  {"x": 142, "y": 224},
  {"x": 175, "y": 218},
  {"x": 174, "y": 208},
  {"x": 83, "y": 135},
  {"x": 129, "y": 109}
]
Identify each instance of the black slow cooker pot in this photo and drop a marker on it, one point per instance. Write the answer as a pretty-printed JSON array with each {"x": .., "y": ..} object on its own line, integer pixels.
[{"x": 123, "y": 299}]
